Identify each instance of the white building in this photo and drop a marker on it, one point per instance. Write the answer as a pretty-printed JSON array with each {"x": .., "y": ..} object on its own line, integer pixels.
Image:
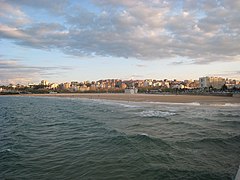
[
  {"x": 44, "y": 83},
  {"x": 131, "y": 91},
  {"x": 53, "y": 86},
  {"x": 157, "y": 84},
  {"x": 215, "y": 82},
  {"x": 147, "y": 82}
]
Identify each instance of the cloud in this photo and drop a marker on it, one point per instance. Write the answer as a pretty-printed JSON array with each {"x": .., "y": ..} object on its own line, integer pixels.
[
  {"x": 48, "y": 6},
  {"x": 141, "y": 65},
  {"x": 202, "y": 32},
  {"x": 13, "y": 33},
  {"x": 13, "y": 71},
  {"x": 12, "y": 15},
  {"x": 228, "y": 74},
  {"x": 134, "y": 77},
  {"x": 177, "y": 63}
]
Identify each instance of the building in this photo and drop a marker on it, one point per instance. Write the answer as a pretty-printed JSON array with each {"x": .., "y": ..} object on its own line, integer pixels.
[
  {"x": 84, "y": 88},
  {"x": 131, "y": 91},
  {"x": 194, "y": 84},
  {"x": 44, "y": 83},
  {"x": 53, "y": 86},
  {"x": 148, "y": 82},
  {"x": 66, "y": 85},
  {"x": 165, "y": 84},
  {"x": 123, "y": 86},
  {"x": 215, "y": 82},
  {"x": 232, "y": 83}
]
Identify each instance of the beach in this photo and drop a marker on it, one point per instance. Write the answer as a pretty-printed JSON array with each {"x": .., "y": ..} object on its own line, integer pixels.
[{"x": 148, "y": 98}]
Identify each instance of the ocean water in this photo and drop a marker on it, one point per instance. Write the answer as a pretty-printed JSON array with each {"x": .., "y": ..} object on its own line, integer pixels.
[{"x": 66, "y": 138}]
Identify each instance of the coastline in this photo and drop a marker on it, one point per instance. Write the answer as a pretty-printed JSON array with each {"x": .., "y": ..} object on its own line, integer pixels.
[{"x": 147, "y": 98}]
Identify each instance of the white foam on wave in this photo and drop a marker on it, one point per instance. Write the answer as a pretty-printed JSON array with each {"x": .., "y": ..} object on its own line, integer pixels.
[
  {"x": 116, "y": 103},
  {"x": 238, "y": 174},
  {"x": 151, "y": 113},
  {"x": 129, "y": 105},
  {"x": 198, "y": 104},
  {"x": 227, "y": 105},
  {"x": 232, "y": 104},
  {"x": 144, "y": 134},
  {"x": 172, "y": 103},
  {"x": 6, "y": 150}
]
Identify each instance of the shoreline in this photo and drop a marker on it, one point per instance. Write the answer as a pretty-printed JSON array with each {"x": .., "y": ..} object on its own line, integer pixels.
[{"x": 146, "y": 98}]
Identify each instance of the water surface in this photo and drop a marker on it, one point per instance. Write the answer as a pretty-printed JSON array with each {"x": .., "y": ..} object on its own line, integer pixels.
[{"x": 67, "y": 138}]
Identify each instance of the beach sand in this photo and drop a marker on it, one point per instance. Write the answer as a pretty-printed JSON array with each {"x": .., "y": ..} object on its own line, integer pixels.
[{"x": 149, "y": 98}]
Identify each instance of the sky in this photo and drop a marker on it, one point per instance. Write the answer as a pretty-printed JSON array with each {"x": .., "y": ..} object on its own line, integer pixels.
[{"x": 72, "y": 40}]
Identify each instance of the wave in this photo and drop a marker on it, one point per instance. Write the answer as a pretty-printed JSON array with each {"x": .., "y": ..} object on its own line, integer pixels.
[
  {"x": 232, "y": 104},
  {"x": 6, "y": 150},
  {"x": 174, "y": 103},
  {"x": 231, "y": 122},
  {"x": 228, "y": 115},
  {"x": 129, "y": 106},
  {"x": 230, "y": 139},
  {"x": 113, "y": 132},
  {"x": 234, "y": 138},
  {"x": 143, "y": 134},
  {"x": 116, "y": 103},
  {"x": 233, "y": 141},
  {"x": 185, "y": 124},
  {"x": 146, "y": 139},
  {"x": 183, "y": 172},
  {"x": 152, "y": 113},
  {"x": 139, "y": 141},
  {"x": 136, "y": 127},
  {"x": 226, "y": 105},
  {"x": 7, "y": 153},
  {"x": 198, "y": 104}
]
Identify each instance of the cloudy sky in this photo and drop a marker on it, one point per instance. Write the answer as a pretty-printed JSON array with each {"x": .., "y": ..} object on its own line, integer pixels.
[{"x": 68, "y": 40}]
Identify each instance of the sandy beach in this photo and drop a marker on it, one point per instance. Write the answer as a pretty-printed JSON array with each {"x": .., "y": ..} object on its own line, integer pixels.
[{"x": 149, "y": 98}]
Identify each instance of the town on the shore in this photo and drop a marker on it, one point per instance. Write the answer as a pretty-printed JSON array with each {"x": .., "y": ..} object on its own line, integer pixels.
[{"x": 205, "y": 85}]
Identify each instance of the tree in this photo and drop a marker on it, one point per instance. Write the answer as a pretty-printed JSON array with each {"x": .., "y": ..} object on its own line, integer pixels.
[
  {"x": 224, "y": 87},
  {"x": 210, "y": 88}
]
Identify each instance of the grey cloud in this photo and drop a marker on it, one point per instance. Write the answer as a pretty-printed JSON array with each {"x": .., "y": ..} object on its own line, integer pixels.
[
  {"x": 203, "y": 32},
  {"x": 12, "y": 71},
  {"x": 14, "y": 64},
  {"x": 141, "y": 65},
  {"x": 12, "y": 15},
  {"x": 229, "y": 74},
  {"x": 178, "y": 63},
  {"x": 49, "y": 6}
]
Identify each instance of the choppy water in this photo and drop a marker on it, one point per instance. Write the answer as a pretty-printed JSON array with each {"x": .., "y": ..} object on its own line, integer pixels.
[{"x": 64, "y": 138}]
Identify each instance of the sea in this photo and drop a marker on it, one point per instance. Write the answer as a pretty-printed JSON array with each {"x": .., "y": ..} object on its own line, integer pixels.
[{"x": 75, "y": 138}]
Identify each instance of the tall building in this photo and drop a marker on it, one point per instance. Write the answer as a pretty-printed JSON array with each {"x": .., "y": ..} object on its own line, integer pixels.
[
  {"x": 66, "y": 85},
  {"x": 53, "y": 86},
  {"x": 215, "y": 82},
  {"x": 147, "y": 82},
  {"x": 44, "y": 83}
]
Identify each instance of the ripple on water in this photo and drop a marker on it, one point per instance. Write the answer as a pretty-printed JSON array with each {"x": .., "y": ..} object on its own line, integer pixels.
[{"x": 84, "y": 139}]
